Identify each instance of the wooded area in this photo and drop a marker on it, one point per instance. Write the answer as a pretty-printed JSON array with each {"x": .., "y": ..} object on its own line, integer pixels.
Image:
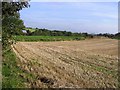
[{"x": 46, "y": 32}]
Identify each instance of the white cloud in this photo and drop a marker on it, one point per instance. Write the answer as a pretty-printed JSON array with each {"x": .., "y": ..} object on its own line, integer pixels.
[{"x": 106, "y": 15}]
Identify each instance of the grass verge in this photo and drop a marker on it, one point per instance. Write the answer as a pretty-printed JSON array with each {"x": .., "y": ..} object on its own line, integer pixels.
[
  {"x": 10, "y": 72},
  {"x": 13, "y": 75}
]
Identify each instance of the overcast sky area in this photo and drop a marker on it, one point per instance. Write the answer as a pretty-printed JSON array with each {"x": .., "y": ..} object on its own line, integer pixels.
[{"x": 91, "y": 17}]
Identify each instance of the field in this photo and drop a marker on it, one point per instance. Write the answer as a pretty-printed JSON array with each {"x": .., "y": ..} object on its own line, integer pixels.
[
  {"x": 82, "y": 64},
  {"x": 47, "y": 38}
]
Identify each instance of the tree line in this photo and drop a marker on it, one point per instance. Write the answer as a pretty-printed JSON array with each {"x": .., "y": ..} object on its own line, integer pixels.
[
  {"x": 46, "y": 32},
  {"x": 117, "y": 35}
]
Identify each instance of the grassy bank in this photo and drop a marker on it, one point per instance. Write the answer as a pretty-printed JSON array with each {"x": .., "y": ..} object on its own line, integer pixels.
[
  {"x": 13, "y": 75},
  {"x": 10, "y": 71},
  {"x": 48, "y": 38}
]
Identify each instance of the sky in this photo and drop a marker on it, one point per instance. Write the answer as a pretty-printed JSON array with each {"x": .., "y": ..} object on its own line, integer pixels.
[
  {"x": 91, "y": 17},
  {"x": 74, "y": 0}
]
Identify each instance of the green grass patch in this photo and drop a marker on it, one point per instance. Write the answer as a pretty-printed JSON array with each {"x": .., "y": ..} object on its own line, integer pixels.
[
  {"x": 117, "y": 38},
  {"x": 13, "y": 76},
  {"x": 105, "y": 70},
  {"x": 10, "y": 72},
  {"x": 48, "y": 38}
]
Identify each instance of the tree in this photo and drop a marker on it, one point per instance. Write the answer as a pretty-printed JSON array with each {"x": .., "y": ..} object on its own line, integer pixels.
[
  {"x": 11, "y": 22},
  {"x": 28, "y": 32}
]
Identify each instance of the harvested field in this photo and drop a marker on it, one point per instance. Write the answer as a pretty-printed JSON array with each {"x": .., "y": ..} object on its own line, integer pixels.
[{"x": 82, "y": 64}]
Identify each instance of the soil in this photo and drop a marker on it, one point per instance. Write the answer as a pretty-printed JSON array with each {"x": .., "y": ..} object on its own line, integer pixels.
[{"x": 81, "y": 64}]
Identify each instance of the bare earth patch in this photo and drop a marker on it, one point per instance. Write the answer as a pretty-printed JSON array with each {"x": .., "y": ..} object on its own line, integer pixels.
[{"x": 81, "y": 64}]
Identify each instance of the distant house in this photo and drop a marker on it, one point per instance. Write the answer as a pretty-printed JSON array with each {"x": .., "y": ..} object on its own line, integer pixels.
[
  {"x": 0, "y": 38},
  {"x": 24, "y": 31}
]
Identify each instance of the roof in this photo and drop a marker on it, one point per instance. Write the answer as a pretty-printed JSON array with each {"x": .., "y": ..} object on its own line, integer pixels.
[{"x": 24, "y": 31}]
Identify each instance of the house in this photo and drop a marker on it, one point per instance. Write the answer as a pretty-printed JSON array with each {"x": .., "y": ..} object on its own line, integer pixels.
[
  {"x": 0, "y": 38},
  {"x": 24, "y": 31}
]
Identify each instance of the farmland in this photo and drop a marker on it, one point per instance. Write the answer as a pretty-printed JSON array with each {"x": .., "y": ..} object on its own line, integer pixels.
[
  {"x": 82, "y": 64},
  {"x": 48, "y": 38}
]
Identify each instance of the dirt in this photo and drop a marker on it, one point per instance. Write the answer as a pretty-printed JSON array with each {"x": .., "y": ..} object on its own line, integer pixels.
[{"x": 80, "y": 64}]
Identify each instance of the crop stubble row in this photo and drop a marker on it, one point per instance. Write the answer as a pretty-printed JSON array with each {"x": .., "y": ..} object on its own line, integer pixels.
[{"x": 84, "y": 64}]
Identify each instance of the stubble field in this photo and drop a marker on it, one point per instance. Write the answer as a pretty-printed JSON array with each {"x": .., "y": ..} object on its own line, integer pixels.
[{"x": 82, "y": 64}]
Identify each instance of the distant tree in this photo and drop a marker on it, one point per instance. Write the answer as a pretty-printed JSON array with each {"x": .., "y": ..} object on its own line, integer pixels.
[
  {"x": 36, "y": 28},
  {"x": 117, "y": 35},
  {"x": 68, "y": 34},
  {"x": 85, "y": 34},
  {"x": 28, "y": 32}
]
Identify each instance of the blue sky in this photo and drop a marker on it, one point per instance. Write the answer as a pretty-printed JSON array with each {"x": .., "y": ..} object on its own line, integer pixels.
[{"x": 91, "y": 17}]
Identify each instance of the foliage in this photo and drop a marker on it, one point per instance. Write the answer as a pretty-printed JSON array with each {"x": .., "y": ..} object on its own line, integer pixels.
[
  {"x": 113, "y": 36},
  {"x": 11, "y": 22},
  {"x": 117, "y": 36},
  {"x": 46, "y": 32},
  {"x": 11, "y": 25}
]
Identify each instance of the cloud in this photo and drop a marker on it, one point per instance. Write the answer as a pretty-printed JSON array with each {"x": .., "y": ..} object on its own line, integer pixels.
[
  {"x": 71, "y": 16},
  {"x": 106, "y": 15}
]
